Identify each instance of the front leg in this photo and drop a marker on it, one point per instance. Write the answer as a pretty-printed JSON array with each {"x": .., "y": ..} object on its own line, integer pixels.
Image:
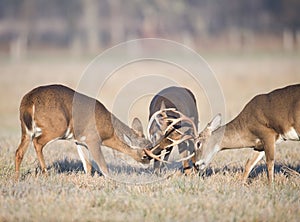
[
  {"x": 269, "y": 144},
  {"x": 85, "y": 159},
  {"x": 157, "y": 164},
  {"x": 251, "y": 162},
  {"x": 94, "y": 147},
  {"x": 183, "y": 149}
]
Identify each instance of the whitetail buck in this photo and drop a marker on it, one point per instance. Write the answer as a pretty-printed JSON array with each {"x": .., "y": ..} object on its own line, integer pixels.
[
  {"x": 172, "y": 115},
  {"x": 266, "y": 120},
  {"x": 54, "y": 112}
]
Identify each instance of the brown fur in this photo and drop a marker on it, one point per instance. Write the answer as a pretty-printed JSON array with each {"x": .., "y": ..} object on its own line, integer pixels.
[
  {"x": 61, "y": 113},
  {"x": 184, "y": 101},
  {"x": 264, "y": 120}
]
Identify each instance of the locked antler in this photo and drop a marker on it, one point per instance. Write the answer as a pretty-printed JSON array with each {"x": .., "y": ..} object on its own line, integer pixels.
[{"x": 170, "y": 118}]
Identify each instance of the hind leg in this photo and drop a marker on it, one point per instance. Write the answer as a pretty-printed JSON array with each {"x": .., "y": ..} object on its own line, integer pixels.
[
  {"x": 39, "y": 144},
  {"x": 39, "y": 151},
  {"x": 22, "y": 148}
]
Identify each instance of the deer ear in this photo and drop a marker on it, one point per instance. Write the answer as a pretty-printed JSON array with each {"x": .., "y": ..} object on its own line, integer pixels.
[
  {"x": 137, "y": 126},
  {"x": 215, "y": 123}
]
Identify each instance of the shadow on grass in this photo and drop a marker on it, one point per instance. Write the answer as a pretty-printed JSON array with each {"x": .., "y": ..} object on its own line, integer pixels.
[
  {"x": 278, "y": 168},
  {"x": 75, "y": 166},
  {"x": 287, "y": 170},
  {"x": 68, "y": 166}
]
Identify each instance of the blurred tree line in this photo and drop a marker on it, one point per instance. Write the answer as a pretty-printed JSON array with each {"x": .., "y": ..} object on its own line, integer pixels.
[{"x": 89, "y": 26}]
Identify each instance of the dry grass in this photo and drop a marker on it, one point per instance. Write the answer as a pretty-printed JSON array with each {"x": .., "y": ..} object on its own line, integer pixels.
[{"x": 69, "y": 195}]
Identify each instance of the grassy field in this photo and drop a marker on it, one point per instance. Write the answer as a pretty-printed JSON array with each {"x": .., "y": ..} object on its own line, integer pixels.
[{"x": 67, "y": 194}]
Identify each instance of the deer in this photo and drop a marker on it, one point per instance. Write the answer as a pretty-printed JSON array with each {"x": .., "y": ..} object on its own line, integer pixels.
[
  {"x": 52, "y": 112},
  {"x": 173, "y": 115},
  {"x": 265, "y": 121}
]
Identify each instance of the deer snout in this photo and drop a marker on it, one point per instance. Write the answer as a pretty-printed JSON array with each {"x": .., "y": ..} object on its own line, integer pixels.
[
  {"x": 200, "y": 165},
  {"x": 145, "y": 159}
]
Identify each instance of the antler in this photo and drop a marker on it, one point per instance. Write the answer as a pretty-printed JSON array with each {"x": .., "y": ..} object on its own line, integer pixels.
[
  {"x": 157, "y": 117},
  {"x": 157, "y": 157},
  {"x": 182, "y": 118},
  {"x": 162, "y": 116},
  {"x": 154, "y": 156}
]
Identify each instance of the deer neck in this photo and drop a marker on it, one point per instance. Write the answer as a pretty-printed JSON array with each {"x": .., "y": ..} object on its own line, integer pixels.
[
  {"x": 125, "y": 140},
  {"x": 122, "y": 131},
  {"x": 234, "y": 135}
]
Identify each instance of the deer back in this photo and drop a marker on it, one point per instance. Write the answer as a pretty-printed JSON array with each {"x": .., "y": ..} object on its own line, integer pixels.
[
  {"x": 181, "y": 99},
  {"x": 57, "y": 110}
]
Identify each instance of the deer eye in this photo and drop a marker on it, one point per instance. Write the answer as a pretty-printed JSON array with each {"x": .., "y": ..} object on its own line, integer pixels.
[{"x": 198, "y": 145}]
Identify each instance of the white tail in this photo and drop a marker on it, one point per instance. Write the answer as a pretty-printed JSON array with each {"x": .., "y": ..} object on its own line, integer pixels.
[
  {"x": 173, "y": 117},
  {"x": 54, "y": 112},
  {"x": 266, "y": 120}
]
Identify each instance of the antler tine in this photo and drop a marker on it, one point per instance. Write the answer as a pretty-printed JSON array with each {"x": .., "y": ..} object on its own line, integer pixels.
[
  {"x": 176, "y": 142},
  {"x": 172, "y": 122},
  {"x": 156, "y": 157},
  {"x": 179, "y": 132},
  {"x": 155, "y": 118},
  {"x": 189, "y": 120},
  {"x": 182, "y": 117},
  {"x": 186, "y": 158}
]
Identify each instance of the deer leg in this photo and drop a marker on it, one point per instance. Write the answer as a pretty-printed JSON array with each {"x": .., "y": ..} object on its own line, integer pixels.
[
  {"x": 183, "y": 153},
  {"x": 187, "y": 167},
  {"x": 269, "y": 145},
  {"x": 167, "y": 155},
  {"x": 157, "y": 164},
  {"x": 95, "y": 148},
  {"x": 22, "y": 148},
  {"x": 39, "y": 145},
  {"x": 251, "y": 162},
  {"x": 183, "y": 149},
  {"x": 168, "y": 152},
  {"x": 85, "y": 159}
]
